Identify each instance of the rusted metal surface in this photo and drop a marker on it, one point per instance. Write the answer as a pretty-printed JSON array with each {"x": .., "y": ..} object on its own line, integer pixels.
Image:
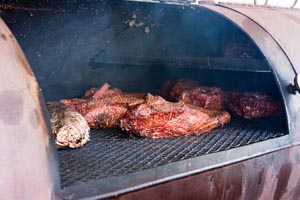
[
  {"x": 28, "y": 163},
  {"x": 273, "y": 176}
]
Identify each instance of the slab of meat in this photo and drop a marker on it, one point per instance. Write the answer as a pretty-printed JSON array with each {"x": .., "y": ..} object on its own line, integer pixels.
[
  {"x": 158, "y": 118},
  {"x": 171, "y": 90},
  {"x": 211, "y": 98},
  {"x": 251, "y": 105},
  {"x": 166, "y": 89},
  {"x": 99, "y": 93},
  {"x": 69, "y": 127},
  {"x": 89, "y": 93},
  {"x": 192, "y": 93},
  {"x": 105, "y": 112}
]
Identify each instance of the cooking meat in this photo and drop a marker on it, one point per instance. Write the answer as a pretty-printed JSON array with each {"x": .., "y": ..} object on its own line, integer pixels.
[
  {"x": 104, "y": 91},
  {"x": 158, "y": 118},
  {"x": 211, "y": 98},
  {"x": 135, "y": 95},
  {"x": 103, "y": 107},
  {"x": 172, "y": 90},
  {"x": 251, "y": 105},
  {"x": 105, "y": 112},
  {"x": 89, "y": 93},
  {"x": 74, "y": 103},
  {"x": 69, "y": 127},
  {"x": 191, "y": 92},
  {"x": 102, "y": 114},
  {"x": 98, "y": 113},
  {"x": 180, "y": 86},
  {"x": 248, "y": 105},
  {"x": 240, "y": 47},
  {"x": 166, "y": 89}
]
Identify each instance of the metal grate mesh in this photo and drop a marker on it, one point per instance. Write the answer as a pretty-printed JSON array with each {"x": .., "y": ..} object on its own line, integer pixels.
[{"x": 112, "y": 152}]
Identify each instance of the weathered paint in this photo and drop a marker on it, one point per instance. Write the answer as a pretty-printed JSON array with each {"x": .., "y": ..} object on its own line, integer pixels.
[{"x": 28, "y": 163}]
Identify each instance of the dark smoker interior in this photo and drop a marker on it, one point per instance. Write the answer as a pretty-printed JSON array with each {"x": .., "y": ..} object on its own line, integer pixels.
[{"x": 73, "y": 46}]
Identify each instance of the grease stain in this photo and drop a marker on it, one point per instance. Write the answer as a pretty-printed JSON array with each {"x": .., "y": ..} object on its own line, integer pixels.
[{"x": 11, "y": 107}]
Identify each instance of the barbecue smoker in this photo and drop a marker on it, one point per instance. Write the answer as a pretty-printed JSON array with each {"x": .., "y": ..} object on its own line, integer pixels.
[{"x": 137, "y": 46}]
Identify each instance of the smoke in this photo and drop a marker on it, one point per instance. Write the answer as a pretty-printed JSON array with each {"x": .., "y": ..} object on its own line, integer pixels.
[{"x": 134, "y": 46}]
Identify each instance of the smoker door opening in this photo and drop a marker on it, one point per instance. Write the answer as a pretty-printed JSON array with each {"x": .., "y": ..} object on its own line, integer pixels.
[
  {"x": 113, "y": 152},
  {"x": 137, "y": 47}
]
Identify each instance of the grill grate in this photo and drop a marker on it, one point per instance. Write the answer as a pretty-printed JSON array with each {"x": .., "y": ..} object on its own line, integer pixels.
[{"x": 112, "y": 152}]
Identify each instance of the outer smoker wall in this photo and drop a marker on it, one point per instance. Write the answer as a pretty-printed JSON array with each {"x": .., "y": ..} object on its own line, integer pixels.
[
  {"x": 273, "y": 176},
  {"x": 28, "y": 163}
]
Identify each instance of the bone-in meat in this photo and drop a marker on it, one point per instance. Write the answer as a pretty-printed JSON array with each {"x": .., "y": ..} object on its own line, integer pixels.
[
  {"x": 251, "y": 105},
  {"x": 158, "y": 118},
  {"x": 69, "y": 127}
]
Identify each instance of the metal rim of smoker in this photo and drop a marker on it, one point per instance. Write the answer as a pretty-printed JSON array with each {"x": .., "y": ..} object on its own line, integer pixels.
[
  {"x": 29, "y": 167},
  {"x": 277, "y": 54},
  {"x": 41, "y": 146},
  {"x": 284, "y": 73}
]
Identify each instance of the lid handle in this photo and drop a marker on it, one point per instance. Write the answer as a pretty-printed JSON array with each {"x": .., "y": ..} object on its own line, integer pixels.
[{"x": 296, "y": 87}]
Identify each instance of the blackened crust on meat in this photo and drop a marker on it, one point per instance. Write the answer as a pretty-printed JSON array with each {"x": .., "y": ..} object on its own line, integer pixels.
[
  {"x": 158, "y": 118},
  {"x": 250, "y": 105},
  {"x": 211, "y": 98}
]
